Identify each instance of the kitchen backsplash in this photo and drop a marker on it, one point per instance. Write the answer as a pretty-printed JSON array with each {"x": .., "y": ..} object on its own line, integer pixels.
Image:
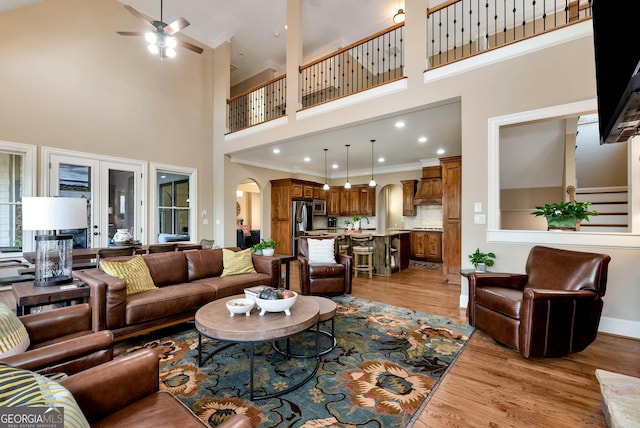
[{"x": 426, "y": 216}]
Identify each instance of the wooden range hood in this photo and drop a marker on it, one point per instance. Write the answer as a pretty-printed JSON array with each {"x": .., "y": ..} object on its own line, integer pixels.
[{"x": 429, "y": 190}]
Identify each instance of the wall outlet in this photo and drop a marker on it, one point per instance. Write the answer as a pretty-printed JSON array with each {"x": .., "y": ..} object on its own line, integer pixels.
[{"x": 479, "y": 219}]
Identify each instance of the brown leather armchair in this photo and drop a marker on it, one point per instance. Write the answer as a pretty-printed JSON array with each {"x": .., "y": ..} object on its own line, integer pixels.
[
  {"x": 62, "y": 341},
  {"x": 324, "y": 278},
  {"x": 125, "y": 393},
  {"x": 550, "y": 311}
]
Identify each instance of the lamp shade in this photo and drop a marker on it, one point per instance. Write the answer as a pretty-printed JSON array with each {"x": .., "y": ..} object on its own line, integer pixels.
[{"x": 53, "y": 213}]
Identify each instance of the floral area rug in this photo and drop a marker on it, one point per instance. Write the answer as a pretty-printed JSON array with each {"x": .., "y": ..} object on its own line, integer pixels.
[{"x": 386, "y": 364}]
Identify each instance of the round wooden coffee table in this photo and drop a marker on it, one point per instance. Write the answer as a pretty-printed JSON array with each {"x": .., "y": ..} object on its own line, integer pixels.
[{"x": 214, "y": 321}]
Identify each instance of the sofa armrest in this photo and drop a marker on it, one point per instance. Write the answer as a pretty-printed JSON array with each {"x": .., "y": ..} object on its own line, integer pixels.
[
  {"x": 48, "y": 325},
  {"x": 69, "y": 356},
  {"x": 109, "y": 387},
  {"x": 108, "y": 298},
  {"x": 347, "y": 261},
  {"x": 516, "y": 281},
  {"x": 270, "y": 266},
  {"x": 477, "y": 280}
]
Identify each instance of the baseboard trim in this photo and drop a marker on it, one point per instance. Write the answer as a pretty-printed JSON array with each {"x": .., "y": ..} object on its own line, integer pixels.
[{"x": 620, "y": 327}]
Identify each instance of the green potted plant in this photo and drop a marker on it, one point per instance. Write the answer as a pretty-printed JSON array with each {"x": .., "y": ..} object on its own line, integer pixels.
[
  {"x": 481, "y": 260},
  {"x": 348, "y": 223},
  {"x": 268, "y": 247},
  {"x": 356, "y": 222},
  {"x": 258, "y": 247},
  {"x": 565, "y": 215}
]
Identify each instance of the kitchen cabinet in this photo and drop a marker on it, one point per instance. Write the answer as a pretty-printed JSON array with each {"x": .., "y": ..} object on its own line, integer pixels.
[
  {"x": 350, "y": 201},
  {"x": 333, "y": 203},
  {"x": 358, "y": 200},
  {"x": 426, "y": 245},
  {"x": 301, "y": 190},
  {"x": 451, "y": 217},
  {"x": 367, "y": 201},
  {"x": 319, "y": 193},
  {"x": 283, "y": 192},
  {"x": 408, "y": 192}
]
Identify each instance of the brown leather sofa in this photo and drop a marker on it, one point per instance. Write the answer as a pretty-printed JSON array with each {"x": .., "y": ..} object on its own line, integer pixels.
[
  {"x": 186, "y": 281},
  {"x": 62, "y": 341},
  {"x": 324, "y": 278},
  {"x": 125, "y": 393},
  {"x": 550, "y": 311}
]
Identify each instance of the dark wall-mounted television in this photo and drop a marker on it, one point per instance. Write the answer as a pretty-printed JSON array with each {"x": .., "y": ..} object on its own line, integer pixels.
[{"x": 617, "y": 52}]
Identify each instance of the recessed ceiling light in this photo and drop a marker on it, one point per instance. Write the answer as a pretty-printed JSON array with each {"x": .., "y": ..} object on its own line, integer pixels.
[
  {"x": 334, "y": 166},
  {"x": 400, "y": 124},
  {"x": 307, "y": 158},
  {"x": 440, "y": 151},
  {"x": 380, "y": 159},
  {"x": 422, "y": 139},
  {"x": 276, "y": 151}
]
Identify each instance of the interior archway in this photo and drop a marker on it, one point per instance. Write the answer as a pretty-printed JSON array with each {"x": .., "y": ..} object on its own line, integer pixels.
[{"x": 248, "y": 213}]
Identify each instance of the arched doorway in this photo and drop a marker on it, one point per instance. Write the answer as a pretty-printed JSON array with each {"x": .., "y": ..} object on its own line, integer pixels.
[{"x": 248, "y": 214}]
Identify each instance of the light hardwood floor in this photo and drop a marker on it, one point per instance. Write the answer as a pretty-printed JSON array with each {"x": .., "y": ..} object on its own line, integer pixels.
[{"x": 492, "y": 386}]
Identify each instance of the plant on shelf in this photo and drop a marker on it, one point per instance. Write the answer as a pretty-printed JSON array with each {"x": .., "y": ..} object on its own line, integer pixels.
[
  {"x": 565, "y": 215},
  {"x": 480, "y": 260}
]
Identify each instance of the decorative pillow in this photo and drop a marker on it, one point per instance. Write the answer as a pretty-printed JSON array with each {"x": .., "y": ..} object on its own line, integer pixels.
[
  {"x": 14, "y": 338},
  {"x": 134, "y": 272},
  {"x": 237, "y": 262},
  {"x": 25, "y": 389},
  {"x": 321, "y": 250}
]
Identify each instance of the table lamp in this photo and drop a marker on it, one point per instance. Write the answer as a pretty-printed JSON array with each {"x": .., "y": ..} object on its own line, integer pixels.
[{"x": 54, "y": 253}]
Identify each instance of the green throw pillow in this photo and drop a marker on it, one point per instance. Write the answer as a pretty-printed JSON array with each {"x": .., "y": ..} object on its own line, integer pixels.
[
  {"x": 134, "y": 272},
  {"x": 237, "y": 262},
  {"x": 23, "y": 388},
  {"x": 14, "y": 338}
]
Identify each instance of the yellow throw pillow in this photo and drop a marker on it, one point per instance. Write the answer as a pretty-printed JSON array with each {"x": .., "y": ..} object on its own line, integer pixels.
[
  {"x": 24, "y": 391},
  {"x": 237, "y": 262},
  {"x": 134, "y": 272},
  {"x": 14, "y": 338}
]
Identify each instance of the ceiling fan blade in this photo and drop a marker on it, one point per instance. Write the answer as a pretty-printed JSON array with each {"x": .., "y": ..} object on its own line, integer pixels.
[
  {"x": 191, "y": 47},
  {"x": 176, "y": 26},
  {"x": 131, "y": 33},
  {"x": 141, "y": 16}
]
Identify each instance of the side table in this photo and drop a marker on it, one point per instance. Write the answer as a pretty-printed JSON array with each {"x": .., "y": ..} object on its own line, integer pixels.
[{"x": 29, "y": 296}]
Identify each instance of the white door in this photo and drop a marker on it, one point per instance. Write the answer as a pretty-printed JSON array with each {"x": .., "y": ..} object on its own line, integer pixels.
[{"x": 113, "y": 190}]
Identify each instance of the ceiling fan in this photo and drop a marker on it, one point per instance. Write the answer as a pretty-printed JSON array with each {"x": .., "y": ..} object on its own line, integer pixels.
[{"x": 160, "y": 39}]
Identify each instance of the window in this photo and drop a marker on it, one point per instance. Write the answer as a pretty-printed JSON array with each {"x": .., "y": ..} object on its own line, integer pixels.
[
  {"x": 505, "y": 193},
  {"x": 174, "y": 201},
  {"x": 17, "y": 179}
]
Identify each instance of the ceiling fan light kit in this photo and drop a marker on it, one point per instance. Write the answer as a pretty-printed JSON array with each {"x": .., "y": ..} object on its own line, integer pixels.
[{"x": 160, "y": 38}]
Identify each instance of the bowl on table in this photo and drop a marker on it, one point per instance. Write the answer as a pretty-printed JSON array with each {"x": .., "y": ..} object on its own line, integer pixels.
[
  {"x": 240, "y": 306},
  {"x": 276, "y": 305}
]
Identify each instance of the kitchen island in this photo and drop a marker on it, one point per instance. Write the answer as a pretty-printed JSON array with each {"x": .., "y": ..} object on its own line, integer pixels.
[{"x": 392, "y": 247}]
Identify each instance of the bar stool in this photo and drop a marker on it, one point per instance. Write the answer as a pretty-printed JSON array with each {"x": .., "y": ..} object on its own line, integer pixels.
[{"x": 362, "y": 249}]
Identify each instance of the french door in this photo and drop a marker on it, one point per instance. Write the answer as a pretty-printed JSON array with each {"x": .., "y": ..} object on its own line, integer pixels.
[{"x": 113, "y": 190}]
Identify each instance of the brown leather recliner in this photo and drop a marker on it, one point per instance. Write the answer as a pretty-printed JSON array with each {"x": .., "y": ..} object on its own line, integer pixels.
[
  {"x": 62, "y": 341},
  {"x": 125, "y": 393},
  {"x": 324, "y": 278},
  {"x": 550, "y": 311}
]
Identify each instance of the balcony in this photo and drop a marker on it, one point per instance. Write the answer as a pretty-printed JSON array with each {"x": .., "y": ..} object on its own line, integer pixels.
[{"x": 456, "y": 30}]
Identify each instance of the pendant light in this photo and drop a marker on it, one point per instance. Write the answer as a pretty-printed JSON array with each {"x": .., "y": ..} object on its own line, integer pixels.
[
  {"x": 326, "y": 185},
  {"x": 347, "y": 185},
  {"x": 372, "y": 183}
]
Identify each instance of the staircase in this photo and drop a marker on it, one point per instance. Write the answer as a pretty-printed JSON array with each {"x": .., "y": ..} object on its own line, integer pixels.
[{"x": 612, "y": 206}]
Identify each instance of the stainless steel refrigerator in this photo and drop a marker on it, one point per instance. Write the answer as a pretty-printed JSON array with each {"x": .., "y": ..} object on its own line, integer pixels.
[{"x": 302, "y": 221}]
